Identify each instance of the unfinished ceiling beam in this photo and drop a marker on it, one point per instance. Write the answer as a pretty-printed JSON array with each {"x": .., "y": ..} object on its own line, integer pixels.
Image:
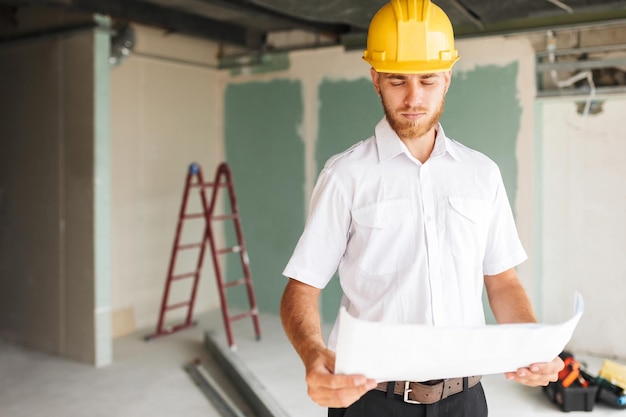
[
  {"x": 174, "y": 20},
  {"x": 467, "y": 14},
  {"x": 279, "y": 17}
]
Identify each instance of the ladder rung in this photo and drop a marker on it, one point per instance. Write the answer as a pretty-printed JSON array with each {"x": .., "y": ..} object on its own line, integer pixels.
[
  {"x": 193, "y": 216},
  {"x": 189, "y": 246},
  {"x": 234, "y": 249},
  {"x": 243, "y": 315},
  {"x": 181, "y": 326},
  {"x": 209, "y": 184},
  {"x": 232, "y": 216},
  {"x": 235, "y": 283},
  {"x": 183, "y": 276},
  {"x": 169, "y": 330},
  {"x": 177, "y": 305}
]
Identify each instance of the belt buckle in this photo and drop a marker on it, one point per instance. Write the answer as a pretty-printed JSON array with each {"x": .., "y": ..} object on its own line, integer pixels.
[{"x": 407, "y": 384}]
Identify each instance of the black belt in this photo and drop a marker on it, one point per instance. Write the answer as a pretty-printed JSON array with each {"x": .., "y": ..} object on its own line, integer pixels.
[{"x": 431, "y": 391}]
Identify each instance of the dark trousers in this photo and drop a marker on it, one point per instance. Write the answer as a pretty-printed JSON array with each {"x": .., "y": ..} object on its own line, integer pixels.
[{"x": 470, "y": 403}]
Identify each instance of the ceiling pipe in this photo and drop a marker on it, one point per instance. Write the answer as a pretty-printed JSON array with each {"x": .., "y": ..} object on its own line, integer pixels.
[{"x": 562, "y": 5}]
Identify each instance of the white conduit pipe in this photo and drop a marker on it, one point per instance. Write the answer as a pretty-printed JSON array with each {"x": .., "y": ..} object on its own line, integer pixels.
[
  {"x": 562, "y": 5},
  {"x": 588, "y": 75}
]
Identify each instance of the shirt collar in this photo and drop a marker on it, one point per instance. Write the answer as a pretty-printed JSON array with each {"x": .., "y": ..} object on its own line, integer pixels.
[{"x": 389, "y": 144}]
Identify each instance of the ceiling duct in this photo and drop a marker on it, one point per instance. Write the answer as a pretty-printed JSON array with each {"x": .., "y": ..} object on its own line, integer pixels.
[
  {"x": 122, "y": 43},
  {"x": 580, "y": 71}
]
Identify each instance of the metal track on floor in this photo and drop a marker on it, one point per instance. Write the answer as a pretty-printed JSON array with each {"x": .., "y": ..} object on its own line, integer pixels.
[
  {"x": 259, "y": 400},
  {"x": 211, "y": 388},
  {"x": 225, "y": 372}
]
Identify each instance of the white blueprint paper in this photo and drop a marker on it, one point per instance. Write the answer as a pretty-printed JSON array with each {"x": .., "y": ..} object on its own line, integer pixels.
[{"x": 399, "y": 352}]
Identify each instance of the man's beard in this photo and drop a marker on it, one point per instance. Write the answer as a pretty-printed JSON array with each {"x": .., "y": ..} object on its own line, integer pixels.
[{"x": 411, "y": 129}]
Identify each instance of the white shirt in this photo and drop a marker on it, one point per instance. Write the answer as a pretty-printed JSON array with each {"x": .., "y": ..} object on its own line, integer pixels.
[{"x": 411, "y": 241}]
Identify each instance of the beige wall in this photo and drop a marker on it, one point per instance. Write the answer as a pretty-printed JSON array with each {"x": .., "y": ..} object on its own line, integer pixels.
[
  {"x": 48, "y": 289},
  {"x": 166, "y": 104},
  {"x": 165, "y": 114}
]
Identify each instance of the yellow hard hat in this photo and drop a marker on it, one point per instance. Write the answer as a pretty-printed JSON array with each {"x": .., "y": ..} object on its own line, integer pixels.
[{"x": 410, "y": 37}]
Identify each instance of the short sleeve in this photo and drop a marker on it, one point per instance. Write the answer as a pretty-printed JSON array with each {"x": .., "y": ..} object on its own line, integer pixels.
[{"x": 323, "y": 241}]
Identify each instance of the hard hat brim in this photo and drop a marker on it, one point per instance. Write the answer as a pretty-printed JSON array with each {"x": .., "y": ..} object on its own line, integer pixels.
[{"x": 411, "y": 67}]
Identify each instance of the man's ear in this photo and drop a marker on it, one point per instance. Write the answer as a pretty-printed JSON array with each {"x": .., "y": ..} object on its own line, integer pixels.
[
  {"x": 448, "y": 78},
  {"x": 375, "y": 80}
]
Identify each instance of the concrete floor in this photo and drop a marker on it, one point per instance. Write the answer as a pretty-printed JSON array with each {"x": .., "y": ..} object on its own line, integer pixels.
[{"x": 148, "y": 379}]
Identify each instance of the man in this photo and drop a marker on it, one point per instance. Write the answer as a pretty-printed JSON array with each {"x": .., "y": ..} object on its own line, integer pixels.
[{"x": 416, "y": 224}]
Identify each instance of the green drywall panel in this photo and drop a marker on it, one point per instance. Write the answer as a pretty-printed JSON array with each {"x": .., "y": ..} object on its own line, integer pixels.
[
  {"x": 102, "y": 198},
  {"x": 265, "y": 152},
  {"x": 537, "y": 295},
  {"x": 483, "y": 112},
  {"x": 348, "y": 113}
]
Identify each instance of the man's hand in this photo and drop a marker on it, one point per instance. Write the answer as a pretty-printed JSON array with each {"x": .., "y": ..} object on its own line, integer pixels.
[
  {"x": 299, "y": 312},
  {"x": 537, "y": 374},
  {"x": 330, "y": 390}
]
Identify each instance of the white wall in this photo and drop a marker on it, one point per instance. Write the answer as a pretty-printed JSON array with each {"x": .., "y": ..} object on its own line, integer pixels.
[
  {"x": 584, "y": 230},
  {"x": 165, "y": 114}
]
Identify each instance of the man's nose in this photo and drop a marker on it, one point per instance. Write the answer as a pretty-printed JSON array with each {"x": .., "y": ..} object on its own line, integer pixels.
[{"x": 413, "y": 97}]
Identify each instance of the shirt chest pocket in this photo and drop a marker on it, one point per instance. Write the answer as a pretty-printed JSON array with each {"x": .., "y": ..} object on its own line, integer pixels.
[
  {"x": 383, "y": 239},
  {"x": 468, "y": 225}
]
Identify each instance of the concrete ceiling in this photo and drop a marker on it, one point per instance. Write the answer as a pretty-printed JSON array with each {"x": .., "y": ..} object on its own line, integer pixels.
[{"x": 249, "y": 24}]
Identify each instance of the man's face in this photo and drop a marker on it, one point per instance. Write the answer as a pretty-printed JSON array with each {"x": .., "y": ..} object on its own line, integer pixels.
[{"x": 413, "y": 103}]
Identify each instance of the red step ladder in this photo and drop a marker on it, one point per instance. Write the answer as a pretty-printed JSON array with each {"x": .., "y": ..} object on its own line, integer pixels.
[{"x": 223, "y": 180}]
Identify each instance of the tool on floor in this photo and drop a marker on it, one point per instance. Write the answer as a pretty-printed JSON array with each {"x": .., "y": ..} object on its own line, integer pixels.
[
  {"x": 575, "y": 389},
  {"x": 614, "y": 373},
  {"x": 212, "y": 390},
  {"x": 571, "y": 373},
  {"x": 195, "y": 180},
  {"x": 610, "y": 393},
  {"x": 612, "y": 384}
]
